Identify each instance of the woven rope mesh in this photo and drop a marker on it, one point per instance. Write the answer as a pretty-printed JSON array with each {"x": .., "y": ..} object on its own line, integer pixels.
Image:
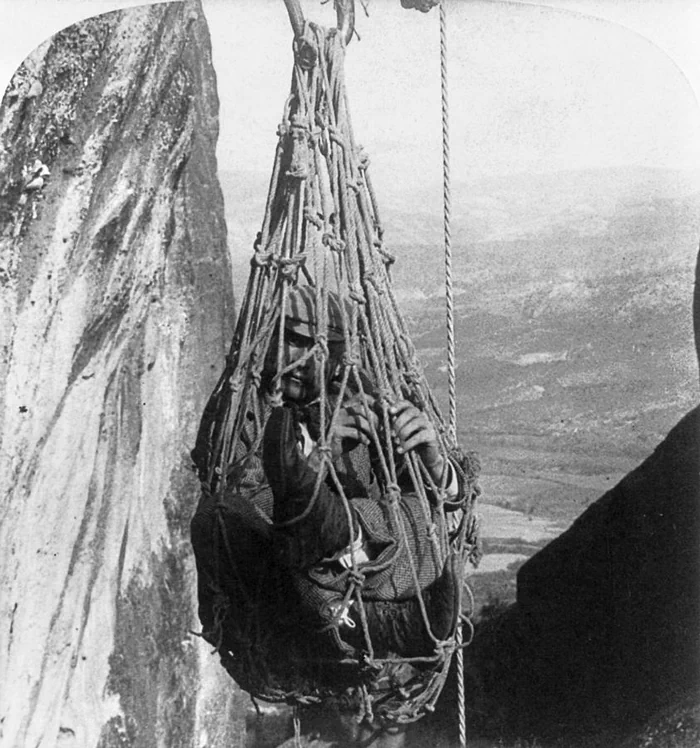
[{"x": 322, "y": 233}]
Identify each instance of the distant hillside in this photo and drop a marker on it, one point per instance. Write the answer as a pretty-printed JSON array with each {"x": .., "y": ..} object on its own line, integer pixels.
[{"x": 560, "y": 225}]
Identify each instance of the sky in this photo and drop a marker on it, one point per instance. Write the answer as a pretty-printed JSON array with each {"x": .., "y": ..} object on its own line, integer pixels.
[{"x": 532, "y": 87}]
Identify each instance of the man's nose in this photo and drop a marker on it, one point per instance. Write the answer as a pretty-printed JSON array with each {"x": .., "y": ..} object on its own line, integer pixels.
[{"x": 296, "y": 353}]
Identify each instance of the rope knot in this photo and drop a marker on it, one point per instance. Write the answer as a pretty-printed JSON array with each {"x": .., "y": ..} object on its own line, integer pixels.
[
  {"x": 334, "y": 244},
  {"x": 356, "y": 577},
  {"x": 393, "y": 493},
  {"x": 321, "y": 350},
  {"x": 412, "y": 376},
  {"x": 341, "y": 615},
  {"x": 433, "y": 536},
  {"x": 260, "y": 259},
  {"x": 325, "y": 451},
  {"x": 445, "y": 648},
  {"x": 388, "y": 257},
  {"x": 316, "y": 136},
  {"x": 385, "y": 396},
  {"x": 357, "y": 294},
  {"x": 289, "y": 266},
  {"x": 371, "y": 279},
  {"x": 363, "y": 159}
]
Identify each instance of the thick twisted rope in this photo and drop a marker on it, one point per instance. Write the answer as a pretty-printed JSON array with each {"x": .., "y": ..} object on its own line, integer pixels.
[
  {"x": 447, "y": 216},
  {"x": 449, "y": 317}
]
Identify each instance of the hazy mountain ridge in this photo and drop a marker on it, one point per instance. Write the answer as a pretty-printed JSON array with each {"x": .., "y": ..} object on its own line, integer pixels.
[{"x": 561, "y": 225}]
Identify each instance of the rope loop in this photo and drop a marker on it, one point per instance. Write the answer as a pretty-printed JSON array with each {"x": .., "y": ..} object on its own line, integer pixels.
[
  {"x": 315, "y": 219},
  {"x": 306, "y": 48},
  {"x": 337, "y": 137},
  {"x": 261, "y": 259}
]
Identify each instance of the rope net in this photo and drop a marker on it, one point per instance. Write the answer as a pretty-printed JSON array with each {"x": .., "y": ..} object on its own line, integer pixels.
[{"x": 310, "y": 636}]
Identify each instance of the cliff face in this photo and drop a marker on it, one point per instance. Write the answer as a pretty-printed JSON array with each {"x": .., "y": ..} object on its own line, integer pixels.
[
  {"x": 116, "y": 307},
  {"x": 605, "y": 632}
]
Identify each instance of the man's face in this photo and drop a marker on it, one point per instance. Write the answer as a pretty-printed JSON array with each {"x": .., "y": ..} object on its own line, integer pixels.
[{"x": 303, "y": 383}]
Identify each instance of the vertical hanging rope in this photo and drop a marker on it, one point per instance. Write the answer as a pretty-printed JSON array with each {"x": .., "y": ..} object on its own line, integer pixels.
[
  {"x": 447, "y": 215},
  {"x": 449, "y": 316}
]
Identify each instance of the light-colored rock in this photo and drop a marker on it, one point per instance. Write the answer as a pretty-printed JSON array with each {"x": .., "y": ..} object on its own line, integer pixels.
[{"x": 116, "y": 309}]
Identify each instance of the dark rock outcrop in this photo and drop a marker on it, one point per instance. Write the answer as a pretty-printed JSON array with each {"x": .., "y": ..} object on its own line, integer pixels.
[
  {"x": 606, "y": 628},
  {"x": 116, "y": 306}
]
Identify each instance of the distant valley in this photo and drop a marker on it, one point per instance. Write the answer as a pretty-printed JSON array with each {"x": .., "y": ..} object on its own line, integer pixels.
[{"x": 573, "y": 296}]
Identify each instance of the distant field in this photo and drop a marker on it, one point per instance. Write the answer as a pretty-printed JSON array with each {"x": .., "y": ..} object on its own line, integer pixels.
[{"x": 564, "y": 400}]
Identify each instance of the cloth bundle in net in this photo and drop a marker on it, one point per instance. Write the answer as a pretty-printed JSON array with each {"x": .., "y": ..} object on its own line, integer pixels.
[{"x": 286, "y": 635}]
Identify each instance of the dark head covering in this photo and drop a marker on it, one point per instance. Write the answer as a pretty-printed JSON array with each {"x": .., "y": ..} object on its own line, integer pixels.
[{"x": 301, "y": 313}]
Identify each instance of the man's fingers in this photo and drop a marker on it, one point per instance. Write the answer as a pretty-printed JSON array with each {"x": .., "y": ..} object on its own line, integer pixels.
[
  {"x": 418, "y": 439},
  {"x": 410, "y": 438},
  {"x": 400, "y": 407},
  {"x": 412, "y": 428},
  {"x": 411, "y": 422},
  {"x": 351, "y": 432},
  {"x": 367, "y": 417},
  {"x": 352, "y": 425}
]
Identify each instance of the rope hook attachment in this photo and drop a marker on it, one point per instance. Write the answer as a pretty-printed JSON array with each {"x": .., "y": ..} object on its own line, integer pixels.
[{"x": 344, "y": 11}]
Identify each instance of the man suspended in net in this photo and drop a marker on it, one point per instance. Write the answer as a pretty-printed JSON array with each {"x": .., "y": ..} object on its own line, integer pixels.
[
  {"x": 283, "y": 510},
  {"x": 337, "y": 514},
  {"x": 292, "y": 456}
]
